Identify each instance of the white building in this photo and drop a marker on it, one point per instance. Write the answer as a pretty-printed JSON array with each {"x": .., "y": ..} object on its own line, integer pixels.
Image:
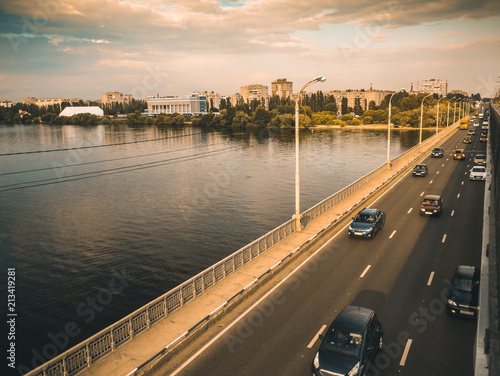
[
  {"x": 93, "y": 110},
  {"x": 433, "y": 86},
  {"x": 193, "y": 104}
]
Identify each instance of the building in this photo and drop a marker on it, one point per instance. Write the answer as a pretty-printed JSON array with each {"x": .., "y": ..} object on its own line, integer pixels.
[
  {"x": 364, "y": 96},
  {"x": 29, "y": 100},
  {"x": 116, "y": 97},
  {"x": 193, "y": 104},
  {"x": 433, "y": 86},
  {"x": 282, "y": 88},
  {"x": 93, "y": 110},
  {"x": 458, "y": 92},
  {"x": 53, "y": 101},
  {"x": 255, "y": 92},
  {"x": 213, "y": 99},
  {"x": 5, "y": 103}
]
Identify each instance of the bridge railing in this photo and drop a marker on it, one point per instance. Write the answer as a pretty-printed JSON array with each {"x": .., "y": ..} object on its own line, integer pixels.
[{"x": 109, "y": 339}]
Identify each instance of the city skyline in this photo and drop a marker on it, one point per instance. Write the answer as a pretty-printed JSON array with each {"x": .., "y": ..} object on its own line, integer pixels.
[{"x": 144, "y": 48}]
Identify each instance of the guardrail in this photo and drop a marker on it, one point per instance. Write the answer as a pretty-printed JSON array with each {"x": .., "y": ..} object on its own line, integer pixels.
[{"x": 109, "y": 339}]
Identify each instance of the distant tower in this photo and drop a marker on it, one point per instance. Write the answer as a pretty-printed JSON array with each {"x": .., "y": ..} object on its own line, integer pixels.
[
  {"x": 411, "y": 90},
  {"x": 371, "y": 86}
]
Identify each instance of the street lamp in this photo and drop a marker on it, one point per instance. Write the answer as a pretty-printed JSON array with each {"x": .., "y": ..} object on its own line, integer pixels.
[
  {"x": 460, "y": 108},
  {"x": 389, "y": 131},
  {"x": 448, "y": 116},
  {"x": 422, "y": 117},
  {"x": 298, "y": 226},
  {"x": 437, "y": 115}
]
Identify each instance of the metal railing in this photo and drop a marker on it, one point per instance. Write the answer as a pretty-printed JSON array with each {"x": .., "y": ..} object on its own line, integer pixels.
[{"x": 109, "y": 339}]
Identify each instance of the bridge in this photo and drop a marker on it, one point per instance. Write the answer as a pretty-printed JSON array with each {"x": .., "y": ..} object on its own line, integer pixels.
[{"x": 261, "y": 309}]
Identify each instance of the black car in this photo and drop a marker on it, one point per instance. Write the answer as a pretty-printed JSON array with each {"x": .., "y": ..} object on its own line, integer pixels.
[
  {"x": 437, "y": 153},
  {"x": 420, "y": 170},
  {"x": 367, "y": 223},
  {"x": 463, "y": 293},
  {"x": 350, "y": 344}
]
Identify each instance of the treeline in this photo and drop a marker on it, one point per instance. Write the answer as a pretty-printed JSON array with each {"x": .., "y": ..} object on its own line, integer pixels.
[
  {"x": 318, "y": 109},
  {"x": 31, "y": 113},
  {"x": 315, "y": 109}
]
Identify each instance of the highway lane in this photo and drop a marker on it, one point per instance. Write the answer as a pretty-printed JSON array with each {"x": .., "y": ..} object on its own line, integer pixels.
[{"x": 401, "y": 274}]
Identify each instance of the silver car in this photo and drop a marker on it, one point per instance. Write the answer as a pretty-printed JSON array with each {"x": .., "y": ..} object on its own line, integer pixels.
[
  {"x": 478, "y": 173},
  {"x": 480, "y": 160}
]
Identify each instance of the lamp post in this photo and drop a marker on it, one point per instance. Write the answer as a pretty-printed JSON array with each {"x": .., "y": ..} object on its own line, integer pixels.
[
  {"x": 454, "y": 110},
  {"x": 389, "y": 131},
  {"x": 437, "y": 115},
  {"x": 298, "y": 226},
  {"x": 448, "y": 116},
  {"x": 460, "y": 112},
  {"x": 422, "y": 117}
]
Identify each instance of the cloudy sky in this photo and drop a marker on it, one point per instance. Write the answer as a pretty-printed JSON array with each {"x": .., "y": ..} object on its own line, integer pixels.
[{"x": 83, "y": 48}]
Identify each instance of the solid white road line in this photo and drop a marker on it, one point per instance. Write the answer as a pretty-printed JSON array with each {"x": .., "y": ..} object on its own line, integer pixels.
[
  {"x": 430, "y": 279},
  {"x": 409, "y": 211},
  {"x": 405, "y": 353},
  {"x": 390, "y": 237},
  {"x": 365, "y": 271},
  {"x": 315, "y": 338},
  {"x": 444, "y": 238}
]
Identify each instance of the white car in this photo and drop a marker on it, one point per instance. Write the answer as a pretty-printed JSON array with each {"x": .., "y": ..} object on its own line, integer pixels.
[
  {"x": 478, "y": 173},
  {"x": 480, "y": 160}
]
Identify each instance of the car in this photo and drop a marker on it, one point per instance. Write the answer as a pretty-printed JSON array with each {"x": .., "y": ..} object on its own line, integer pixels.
[
  {"x": 463, "y": 292},
  {"x": 420, "y": 170},
  {"x": 367, "y": 223},
  {"x": 471, "y": 131},
  {"x": 480, "y": 160},
  {"x": 437, "y": 153},
  {"x": 350, "y": 343},
  {"x": 467, "y": 140},
  {"x": 431, "y": 205},
  {"x": 459, "y": 154},
  {"x": 477, "y": 173},
  {"x": 483, "y": 137}
]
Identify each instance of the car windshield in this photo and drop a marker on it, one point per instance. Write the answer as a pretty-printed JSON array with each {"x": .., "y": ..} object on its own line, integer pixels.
[
  {"x": 419, "y": 167},
  {"x": 478, "y": 169},
  {"x": 463, "y": 284},
  {"x": 364, "y": 218},
  {"x": 343, "y": 343},
  {"x": 430, "y": 202}
]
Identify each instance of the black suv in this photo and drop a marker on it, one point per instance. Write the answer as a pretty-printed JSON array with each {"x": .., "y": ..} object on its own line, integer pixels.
[
  {"x": 437, "y": 153},
  {"x": 350, "y": 343},
  {"x": 463, "y": 293},
  {"x": 420, "y": 170},
  {"x": 367, "y": 223}
]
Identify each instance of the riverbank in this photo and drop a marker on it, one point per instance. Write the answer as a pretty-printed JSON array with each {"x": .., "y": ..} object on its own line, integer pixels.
[{"x": 367, "y": 126}]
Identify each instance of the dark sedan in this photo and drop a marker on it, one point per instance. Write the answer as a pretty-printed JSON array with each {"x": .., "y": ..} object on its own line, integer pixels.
[
  {"x": 350, "y": 343},
  {"x": 437, "y": 153},
  {"x": 463, "y": 293},
  {"x": 420, "y": 170},
  {"x": 367, "y": 223}
]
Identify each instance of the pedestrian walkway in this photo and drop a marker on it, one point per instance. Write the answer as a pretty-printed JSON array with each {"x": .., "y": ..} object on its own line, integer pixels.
[{"x": 126, "y": 359}]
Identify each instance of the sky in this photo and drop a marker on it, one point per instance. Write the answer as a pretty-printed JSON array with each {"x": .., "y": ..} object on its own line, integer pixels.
[{"x": 83, "y": 48}]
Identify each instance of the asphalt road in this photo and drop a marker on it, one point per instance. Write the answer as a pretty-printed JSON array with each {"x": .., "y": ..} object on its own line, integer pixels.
[{"x": 401, "y": 274}]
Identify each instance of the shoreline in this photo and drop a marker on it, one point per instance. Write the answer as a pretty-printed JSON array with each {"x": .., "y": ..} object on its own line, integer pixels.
[{"x": 369, "y": 127}]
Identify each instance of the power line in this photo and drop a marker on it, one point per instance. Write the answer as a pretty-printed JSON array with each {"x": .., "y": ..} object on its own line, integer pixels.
[
  {"x": 97, "y": 146},
  {"x": 113, "y": 171},
  {"x": 105, "y": 160}
]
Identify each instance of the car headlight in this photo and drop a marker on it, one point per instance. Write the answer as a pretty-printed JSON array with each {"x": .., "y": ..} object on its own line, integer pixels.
[
  {"x": 435, "y": 210},
  {"x": 452, "y": 303},
  {"x": 354, "y": 370},
  {"x": 316, "y": 361}
]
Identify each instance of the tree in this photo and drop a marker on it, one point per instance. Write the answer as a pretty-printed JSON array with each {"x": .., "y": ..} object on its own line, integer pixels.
[
  {"x": 261, "y": 117},
  {"x": 344, "y": 108}
]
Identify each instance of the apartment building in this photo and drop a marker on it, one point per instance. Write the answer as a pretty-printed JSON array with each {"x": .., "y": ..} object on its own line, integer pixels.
[
  {"x": 433, "y": 86},
  {"x": 282, "y": 88},
  {"x": 116, "y": 97},
  {"x": 257, "y": 92},
  {"x": 364, "y": 96}
]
